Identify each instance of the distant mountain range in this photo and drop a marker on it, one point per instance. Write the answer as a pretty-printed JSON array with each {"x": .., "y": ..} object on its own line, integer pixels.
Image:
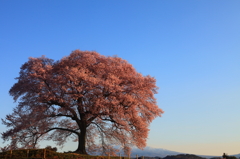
[
  {"x": 159, "y": 152},
  {"x": 153, "y": 152}
]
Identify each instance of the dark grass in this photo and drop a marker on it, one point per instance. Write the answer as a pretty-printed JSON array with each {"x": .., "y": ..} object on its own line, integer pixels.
[{"x": 47, "y": 154}]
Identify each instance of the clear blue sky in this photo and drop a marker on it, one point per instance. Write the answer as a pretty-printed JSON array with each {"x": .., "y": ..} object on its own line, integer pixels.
[{"x": 192, "y": 48}]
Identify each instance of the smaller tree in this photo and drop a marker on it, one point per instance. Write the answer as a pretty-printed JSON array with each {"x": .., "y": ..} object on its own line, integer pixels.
[
  {"x": 51, "y": 148},
  {"x": 225, "y": 156}
]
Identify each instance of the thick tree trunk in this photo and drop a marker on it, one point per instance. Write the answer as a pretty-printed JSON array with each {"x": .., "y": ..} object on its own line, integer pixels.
[{"x": 82, "y": 142}]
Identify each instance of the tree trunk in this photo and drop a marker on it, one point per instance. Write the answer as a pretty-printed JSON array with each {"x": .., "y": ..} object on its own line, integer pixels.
[{"x": 82, "y": 142}]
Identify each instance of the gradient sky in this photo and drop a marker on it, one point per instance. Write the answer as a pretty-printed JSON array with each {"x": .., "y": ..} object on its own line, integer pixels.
[{"x": 192, "y": 48}]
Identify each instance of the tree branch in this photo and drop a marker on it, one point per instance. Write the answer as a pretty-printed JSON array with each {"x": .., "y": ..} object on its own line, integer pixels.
[
  {"x": 62, "y": 115},
  {"x": 64, "y": 129}
]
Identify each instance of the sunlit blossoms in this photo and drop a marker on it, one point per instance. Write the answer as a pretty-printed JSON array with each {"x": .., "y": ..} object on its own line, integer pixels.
[{"x": 94, "y": 100}]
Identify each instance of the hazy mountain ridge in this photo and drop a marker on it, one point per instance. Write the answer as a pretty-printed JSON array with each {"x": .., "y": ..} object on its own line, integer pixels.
[
  {"x": 150, "y": 152},
  {"x": 153, "y": 152}
]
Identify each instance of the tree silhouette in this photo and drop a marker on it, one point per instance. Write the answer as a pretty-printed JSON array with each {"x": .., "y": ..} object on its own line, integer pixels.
[
  {"x": 85, "y": 96},
  {"x": 51, "y": 148},
  {"x": 225, "y": 156}
]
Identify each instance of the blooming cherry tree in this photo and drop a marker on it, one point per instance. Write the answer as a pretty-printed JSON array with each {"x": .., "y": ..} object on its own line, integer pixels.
[{"x": 87, "y": 97}]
